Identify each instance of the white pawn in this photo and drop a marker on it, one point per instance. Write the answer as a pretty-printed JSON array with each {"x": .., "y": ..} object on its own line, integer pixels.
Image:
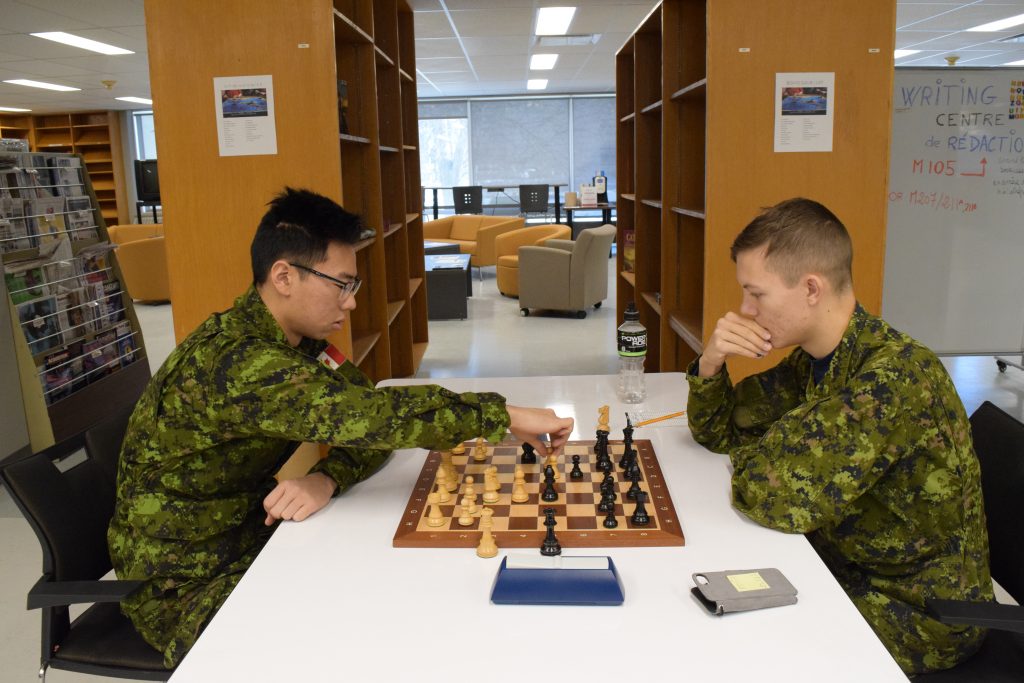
[
  {"x": 442, "y": 486},
  {"x": 466, "y": 519},
  {"x": 434, "y": 518},
  {"x": 488, "y": 547},
  {"x": 480, "y": 452},
  {"x": 553, "y": 461},
  {"x": 452, "y": 483},
  {"x": 491, "y": 485},
  {"x": 470, "y": 495},
  {"x": 519, "y": 494}
]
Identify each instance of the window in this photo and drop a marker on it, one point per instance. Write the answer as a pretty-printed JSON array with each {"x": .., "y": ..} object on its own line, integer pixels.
[{"x": 145, "y": 137}]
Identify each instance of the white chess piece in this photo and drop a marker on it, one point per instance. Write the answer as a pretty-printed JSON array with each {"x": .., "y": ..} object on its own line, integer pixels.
[
  {"x": 553, "y": 461},
  {"x": 488, "y": 547},
  {"x": 470, "y": 495},
  {"x": 442, "y": 486},
  {"x": 519, "y": 494},
  {"x": 480, "y": 452},
  {"x": 491, "y": 485},
  {"x": 453, "y": 474},
  {"x": 434, "y": 517},
  {"x": 466, "y": 519}
]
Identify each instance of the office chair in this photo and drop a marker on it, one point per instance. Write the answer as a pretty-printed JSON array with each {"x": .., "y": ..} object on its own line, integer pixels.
[
  {"x": 533, "y": 199},
  {"x": 469, "y": 199},
  {"x": 999, "y": 443},
  {"x": 70, "y": 512}
]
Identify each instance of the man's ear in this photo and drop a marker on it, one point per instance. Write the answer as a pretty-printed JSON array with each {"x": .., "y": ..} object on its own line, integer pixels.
[
  {"x": 282, "y": 277},
  {"x": 814, "y": 288}
]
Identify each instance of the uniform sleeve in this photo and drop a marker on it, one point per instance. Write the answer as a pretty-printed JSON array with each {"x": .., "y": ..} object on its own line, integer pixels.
[
  {"x": 817, "y": 459},
  {"x": 272, "y": 390},
  {"x": 349, "y": 466},
  {"x": 723, "y": 417}
]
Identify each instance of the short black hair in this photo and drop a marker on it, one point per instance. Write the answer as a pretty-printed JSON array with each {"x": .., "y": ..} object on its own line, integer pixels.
[{"x": 298, "y": 226}]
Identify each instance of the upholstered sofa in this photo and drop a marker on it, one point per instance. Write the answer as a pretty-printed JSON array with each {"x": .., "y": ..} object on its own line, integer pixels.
[
  {"x": 506, "y": 249},
  {"x": 474, "y": 234},
  {"x": 143, "y": 260}
]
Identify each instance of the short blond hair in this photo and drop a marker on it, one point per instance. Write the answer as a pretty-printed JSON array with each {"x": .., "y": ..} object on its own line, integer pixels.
[{"x": 800, "y": 236}]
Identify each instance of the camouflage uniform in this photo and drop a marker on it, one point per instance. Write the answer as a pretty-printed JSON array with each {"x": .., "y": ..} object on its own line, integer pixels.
[
  {"x": 875, "y": 464},
  {"x": 225, "y": 411}
]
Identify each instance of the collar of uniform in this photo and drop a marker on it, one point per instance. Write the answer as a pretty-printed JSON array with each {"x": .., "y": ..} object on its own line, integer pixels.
[
  {"x": 841, "y": 357},
  {"x": 252, "y": 307}
]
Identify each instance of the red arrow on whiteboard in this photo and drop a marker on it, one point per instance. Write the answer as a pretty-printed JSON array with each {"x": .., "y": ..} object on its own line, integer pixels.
[{"x": 979, "y": 175}]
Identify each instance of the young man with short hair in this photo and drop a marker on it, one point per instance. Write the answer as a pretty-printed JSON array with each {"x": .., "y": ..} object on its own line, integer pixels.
[
  {"x": 196, "y": 495},
  {"x": 857, "y": 438}
]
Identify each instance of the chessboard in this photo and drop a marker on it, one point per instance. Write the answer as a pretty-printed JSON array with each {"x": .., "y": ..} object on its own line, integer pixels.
[{"x": 521, "y": 525}]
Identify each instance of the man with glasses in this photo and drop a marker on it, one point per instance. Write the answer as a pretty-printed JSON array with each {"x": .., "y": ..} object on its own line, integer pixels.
[{"x": 196, "y": 497}]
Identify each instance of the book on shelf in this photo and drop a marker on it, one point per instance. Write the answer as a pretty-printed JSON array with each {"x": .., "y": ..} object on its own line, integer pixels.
[
  {"x": 125, "y": 343},
  {"x": 38, "y": 321},
  {"x": 343, "y": 107},
  {"x": 25, "y": 281},
  {"x": 99, "y": 356},
  {"x": 57, "y": 376},
  {"x": 629, "y": 250}
]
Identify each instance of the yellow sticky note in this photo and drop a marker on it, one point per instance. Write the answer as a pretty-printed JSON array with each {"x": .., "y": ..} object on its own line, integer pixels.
[{"x": 751, "y": 581}]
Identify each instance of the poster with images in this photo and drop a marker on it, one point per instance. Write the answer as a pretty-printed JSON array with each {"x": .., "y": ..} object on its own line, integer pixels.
[
  {"x": 245, "y": 115},
  {"x": 804, "y": 111}
]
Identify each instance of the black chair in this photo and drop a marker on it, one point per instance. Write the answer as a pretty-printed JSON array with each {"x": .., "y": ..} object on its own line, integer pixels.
[
  {"x": 469, "y": 199},
  {"x": 70, "y": 512},
  {"x": 533, "y": 199},
  {"x": 999, "y": 442}
]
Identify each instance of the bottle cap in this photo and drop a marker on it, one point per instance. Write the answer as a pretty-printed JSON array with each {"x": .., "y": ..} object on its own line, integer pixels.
[{"x": 631, "y": 312}]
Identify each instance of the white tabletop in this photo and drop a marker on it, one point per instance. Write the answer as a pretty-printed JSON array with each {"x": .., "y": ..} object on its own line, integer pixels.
[{"x": 330, "y": 599}]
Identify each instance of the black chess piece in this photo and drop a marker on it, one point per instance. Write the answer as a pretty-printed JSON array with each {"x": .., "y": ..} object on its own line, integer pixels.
[
  {"x": 607, "y": 503},
  {"x": 634, "y": 465},
  {"x": 576, "y": 472},
  {"x": 640, "y": 516},
  {"x": 627, "y": 432},
  {"x": 549, "y": 495},
  {"x": 551, "y": 545},
  {"x": 609, "y": 521},
  {"x": 529, "y": 456},
  {"x": 634, "y": 488},
  {"x": 624, "y": 460}
]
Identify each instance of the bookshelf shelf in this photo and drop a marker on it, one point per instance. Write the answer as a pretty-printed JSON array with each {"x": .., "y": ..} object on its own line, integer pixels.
[{"x": 353, "y": 138}]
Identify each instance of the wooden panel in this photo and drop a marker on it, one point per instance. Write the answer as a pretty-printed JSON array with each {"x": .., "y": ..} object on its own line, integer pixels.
[
  {"x": 212, "y": 204},
  {"x": 745, "y": 174}
]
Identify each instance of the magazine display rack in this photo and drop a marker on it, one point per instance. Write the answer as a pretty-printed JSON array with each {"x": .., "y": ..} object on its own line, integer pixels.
[{"x": 75, "y": 338}]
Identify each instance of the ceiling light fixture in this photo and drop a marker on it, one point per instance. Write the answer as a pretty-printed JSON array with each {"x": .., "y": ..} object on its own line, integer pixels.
[
  {"x": 84, "y": 43},
  {"x": 903, "y": 53},
  {"x": 1000, "y": 25},
  {"x": 543, "y": 62},
  {"x": 13, "y": 109},
  {"x": 537, "y": 84},
  {"x": 40, "y": 84},
  {"x": 554, "y": 21},
  {"x": 136, "y": 100}
]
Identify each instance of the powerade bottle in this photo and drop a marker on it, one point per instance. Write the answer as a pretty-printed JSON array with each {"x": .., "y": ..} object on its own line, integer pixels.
[{"x": 632, "y": 340}]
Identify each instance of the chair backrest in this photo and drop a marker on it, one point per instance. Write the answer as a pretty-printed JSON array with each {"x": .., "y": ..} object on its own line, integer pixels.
[
  {"x": 129, "y": 232},
  {"x": 589, "y": 271},
  {"x": 999, "y": 443},
  {"x": 469, "y": 199},
  {"x": 533, "y": 198}
]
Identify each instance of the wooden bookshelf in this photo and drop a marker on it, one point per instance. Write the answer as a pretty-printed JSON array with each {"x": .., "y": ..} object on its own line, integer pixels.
[
  {"x": 372, "y": 170},
  {"x": 695, "y": 154},
  {"x": 95, "y": 135}
]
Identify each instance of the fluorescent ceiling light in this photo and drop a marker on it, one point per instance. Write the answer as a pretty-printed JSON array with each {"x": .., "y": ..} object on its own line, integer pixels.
[
  {"x": 543, "y": 62},
  {"x": 13, "y": 109},
  {"x": 904, "y": 53},
  {"x": 1000, "y": 25},
  {"x": 554, "y": 21},
  {"x": 137, "y": 100},
  {"x": 40, "y": 84},
  {"x": 536, "y": 84},
  {"x": 84, "y": 43},
  {"x": 1019, "y": 62}
]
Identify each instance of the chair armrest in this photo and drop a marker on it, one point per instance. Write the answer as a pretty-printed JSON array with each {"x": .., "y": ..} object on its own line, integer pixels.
[
  {"x": 442, "y": 227},
  {"x": 485, "y": 236},
  {"x": 565, "y": 245},
  {"x": 984, "y": 614},
  {"x": 48, "y": 593},
  {"x": 543, "y": 261}
]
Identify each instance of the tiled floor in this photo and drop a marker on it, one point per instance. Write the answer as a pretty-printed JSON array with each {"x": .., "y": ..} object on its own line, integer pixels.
[{"x": 496, "y": 341}]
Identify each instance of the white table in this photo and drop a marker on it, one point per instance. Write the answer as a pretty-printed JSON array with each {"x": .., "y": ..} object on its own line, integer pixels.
[{"x": 329, "y": 599}]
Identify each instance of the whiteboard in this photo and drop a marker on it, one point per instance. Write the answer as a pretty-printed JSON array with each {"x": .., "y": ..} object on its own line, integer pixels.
[{"x": 955, "y": 236}]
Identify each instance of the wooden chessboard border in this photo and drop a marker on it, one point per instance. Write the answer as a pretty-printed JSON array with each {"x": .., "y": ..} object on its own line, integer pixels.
[{"x": 667, "y": 531}]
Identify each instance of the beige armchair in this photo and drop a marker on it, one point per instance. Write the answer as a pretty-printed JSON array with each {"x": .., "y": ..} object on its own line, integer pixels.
[
  {"x": 565, "y": 275},
  {"x": 474, "y": 234},
  {"x": 506, "y": 249}
]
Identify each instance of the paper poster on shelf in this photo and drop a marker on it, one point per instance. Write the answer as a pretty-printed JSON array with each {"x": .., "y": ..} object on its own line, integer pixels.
[
  {"x": 804, "y": 108},
  {"x": 245, "y": 115}
]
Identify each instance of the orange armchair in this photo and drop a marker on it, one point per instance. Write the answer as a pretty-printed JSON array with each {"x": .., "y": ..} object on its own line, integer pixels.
[
  {"x": 143, "y": 259},
  {"x": 506, "y": 249},
  {"x": 474, "y": 234}
]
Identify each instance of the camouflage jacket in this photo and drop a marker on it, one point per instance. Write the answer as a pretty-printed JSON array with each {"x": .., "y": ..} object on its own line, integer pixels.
[
  {"x": 224, "y": 412},
  {"x": 876, "y": 465}
]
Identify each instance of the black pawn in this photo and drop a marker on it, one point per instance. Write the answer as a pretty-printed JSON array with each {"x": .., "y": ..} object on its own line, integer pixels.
[
  {"x": 549, "y": 495},
  {"x": 550, "y": 545},
  {"x": 608, "y": 483},
  {"x": 609, "y": 521},
  {"x": 529, "y": 456},
  {"x": 576, "y": 472},
  {"x": 607, "y": 503},
  {"x": 634, "y": 488},
  {"x": 640, "y": 517}
]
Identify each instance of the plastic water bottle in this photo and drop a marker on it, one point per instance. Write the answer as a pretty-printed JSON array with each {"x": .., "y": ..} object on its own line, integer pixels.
[{"x": 632, "y": 341}]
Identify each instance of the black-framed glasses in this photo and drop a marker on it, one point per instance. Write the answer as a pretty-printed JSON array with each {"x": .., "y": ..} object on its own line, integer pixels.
[{"x": 347, "y": 288}]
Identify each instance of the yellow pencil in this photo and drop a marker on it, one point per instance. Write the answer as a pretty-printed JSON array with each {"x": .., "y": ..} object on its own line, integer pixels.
[{"x": 659, "y": 419}]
